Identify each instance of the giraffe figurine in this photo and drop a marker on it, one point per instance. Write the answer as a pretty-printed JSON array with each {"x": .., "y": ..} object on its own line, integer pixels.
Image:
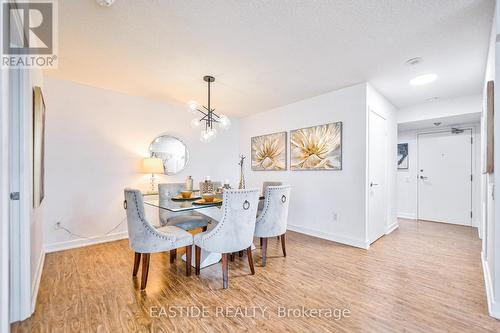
[{"x": 242, "y": 177}]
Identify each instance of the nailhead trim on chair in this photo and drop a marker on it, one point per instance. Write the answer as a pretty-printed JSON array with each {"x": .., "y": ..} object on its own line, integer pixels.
[
  {"x": 266, "y": 204},
  {"x": 170, "y": 238},
  {"x": 223, "y": 219}
]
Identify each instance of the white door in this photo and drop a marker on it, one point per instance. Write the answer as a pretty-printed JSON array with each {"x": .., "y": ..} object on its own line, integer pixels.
[
  {"x": 377, "y": 189},
  {"x": 445, "y": 177}
]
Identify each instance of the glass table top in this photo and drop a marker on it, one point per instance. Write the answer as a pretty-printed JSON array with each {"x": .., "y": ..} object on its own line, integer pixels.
[
  {"x": 174, "y": 206},
  {"x": 167, "y": 203}
]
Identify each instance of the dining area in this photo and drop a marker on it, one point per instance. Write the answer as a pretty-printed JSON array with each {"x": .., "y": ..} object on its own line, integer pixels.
[{"x": 211, "y": 224}]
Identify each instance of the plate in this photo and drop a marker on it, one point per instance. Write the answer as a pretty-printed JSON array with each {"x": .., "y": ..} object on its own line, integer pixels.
[
  {"x": 203, "y": 202},
  {"x": 179, "y": 197}
]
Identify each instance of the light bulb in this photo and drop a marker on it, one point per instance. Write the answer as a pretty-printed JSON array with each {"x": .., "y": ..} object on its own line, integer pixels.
[
  {"x": 192, "y": 106},
  {"x": 195, "y": 123},
  {"x": 224, "y": 122},
  {"x": 207, "y": 135}
]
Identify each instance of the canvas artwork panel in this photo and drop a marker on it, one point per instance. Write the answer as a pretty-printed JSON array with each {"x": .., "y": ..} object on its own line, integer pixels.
[
  {"x": 268, "y": 152},
  {"x": 38, "y": 147},
  {"x": 402, "y": 156},
  {"x": 317, "y": 147}
]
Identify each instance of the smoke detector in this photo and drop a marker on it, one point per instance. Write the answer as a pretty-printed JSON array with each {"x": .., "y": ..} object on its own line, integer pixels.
[{"x": 105, "y": 3}]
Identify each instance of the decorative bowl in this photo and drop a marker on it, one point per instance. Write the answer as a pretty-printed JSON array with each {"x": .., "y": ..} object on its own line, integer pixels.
[{"x": 208, "y": 197}]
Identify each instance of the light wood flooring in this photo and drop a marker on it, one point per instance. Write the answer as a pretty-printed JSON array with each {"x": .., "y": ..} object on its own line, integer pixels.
[{"x": 423, "y": 277}]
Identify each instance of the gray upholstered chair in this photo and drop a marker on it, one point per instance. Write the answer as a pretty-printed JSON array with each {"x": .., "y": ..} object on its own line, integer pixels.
[
  {"x": 265, "y": 185},
  {"x": 185, "y": 220},
  {"x": 272, "y": 221},
  {"x": 234, "y": 232},
  {"x": 145, "y": 239}
]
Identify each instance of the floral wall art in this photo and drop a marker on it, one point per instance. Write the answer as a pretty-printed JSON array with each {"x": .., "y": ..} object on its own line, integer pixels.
[
  {"x": 317, "y": 147},
  {"x": 269, "y": 152}
]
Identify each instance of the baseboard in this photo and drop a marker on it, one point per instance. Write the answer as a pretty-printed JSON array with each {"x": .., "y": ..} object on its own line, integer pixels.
[
  {"x": 72, "y": 244},
  {"x": 407, "y": 216},
  {"x": 332, "y": 237},
  {"x": 492, "y": 305},
  {"x": 36, "y": 283},
  {"x": 391, "y": 228}
]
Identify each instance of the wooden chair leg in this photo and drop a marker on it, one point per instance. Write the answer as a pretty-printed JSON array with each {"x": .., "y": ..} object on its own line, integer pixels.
[
  {"x": 145, "y": 270},
  {"x": 188, "y": 260},
  {"x": 261, "y": 242},
  {"x": 232, "y": 256},
  {"x": 250, "y": 260},
  {"x": 264, "y": 251},
  {"x": 137, "y": 261},
  {"x": 173, "y": 255},
  {"x": 240, "y": 254},
  {"x": 283, "y": 245},
  {"x": 197, "y": 258},
  {"x": 224, "y": 270},
  {"x": 278, "y": 237}
]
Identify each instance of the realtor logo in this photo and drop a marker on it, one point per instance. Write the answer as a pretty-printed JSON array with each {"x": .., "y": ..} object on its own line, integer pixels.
[{"x": 29, "y": 34}]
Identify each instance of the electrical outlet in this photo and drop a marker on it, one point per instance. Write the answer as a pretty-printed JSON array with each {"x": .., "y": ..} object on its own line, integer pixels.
[
  {"x": 335, "y": 217},
  {"x": 57, "y": 225}
]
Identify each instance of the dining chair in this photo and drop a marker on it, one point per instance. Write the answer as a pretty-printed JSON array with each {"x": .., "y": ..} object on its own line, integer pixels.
[
  {"x": 234, "y": 232},
  {"x": 272, "y": 221},
  {"x": 265, "y": 185},
  {"x": 145, "y": 239},
  {"x": 185, "y": 220}
]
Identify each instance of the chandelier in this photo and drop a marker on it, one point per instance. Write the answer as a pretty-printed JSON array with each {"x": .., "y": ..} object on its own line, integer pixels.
[{"x": 209, "y": 117}]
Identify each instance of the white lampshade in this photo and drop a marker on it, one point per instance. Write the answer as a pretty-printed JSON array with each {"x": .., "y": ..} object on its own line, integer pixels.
[
  {"x": 152, "y": 165},
  {"x": 224, "y": 122}
]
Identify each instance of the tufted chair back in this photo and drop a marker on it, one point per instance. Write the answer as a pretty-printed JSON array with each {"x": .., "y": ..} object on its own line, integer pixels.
[
  {"x": 265, "y": 185},
  {"x": 235, "y": 230},
  {"x": 273, "y": 219},
  {"x": 168, "y": 190},
  {"x": 143, "y": 236}
]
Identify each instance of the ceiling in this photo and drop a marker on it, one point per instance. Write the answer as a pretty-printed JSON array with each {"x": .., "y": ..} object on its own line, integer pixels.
[
  {"x": 265, "y": 54},
  {"x": 445, "y": 122}
]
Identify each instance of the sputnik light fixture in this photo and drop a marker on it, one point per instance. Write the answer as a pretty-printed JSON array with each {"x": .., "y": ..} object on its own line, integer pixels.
[{"x": 209, "y": 117}]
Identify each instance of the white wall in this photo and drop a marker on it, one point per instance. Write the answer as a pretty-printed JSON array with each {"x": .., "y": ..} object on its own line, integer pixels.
[
  {"x": 383, "y": 107},
  {"x": 320, "y": 195},
  {"x": 407, "y": 178},
  {"x": 96, "y": 140},
  {"x": 440, "y": 109},
  {"x": 490, "y": 255}
]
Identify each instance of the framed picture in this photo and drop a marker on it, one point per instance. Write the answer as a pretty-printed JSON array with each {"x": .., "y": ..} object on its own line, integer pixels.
[
  {"x": 38, "y": 147},
  {"x": 316, "y": 148},
  {"x": 269, "y": 152},
  {"x": 402, "y": 156}
]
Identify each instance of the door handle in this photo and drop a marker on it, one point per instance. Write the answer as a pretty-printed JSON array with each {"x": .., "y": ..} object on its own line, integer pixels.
[
  {"x": 373, "y": 184},
  {"x": 423, "y": 177}
]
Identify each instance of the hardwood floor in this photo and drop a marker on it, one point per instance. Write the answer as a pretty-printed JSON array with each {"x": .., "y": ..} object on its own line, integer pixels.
[{"x": 423, "y": 277}]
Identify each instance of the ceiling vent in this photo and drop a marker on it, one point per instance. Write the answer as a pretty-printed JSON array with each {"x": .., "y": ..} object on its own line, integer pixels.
[
  {"x": 105, "y": 3},
  {"x": 413, "y": 61}
]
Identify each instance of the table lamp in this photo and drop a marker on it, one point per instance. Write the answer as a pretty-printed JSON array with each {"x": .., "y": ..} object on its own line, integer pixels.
[{"x": 153, "y": 165}]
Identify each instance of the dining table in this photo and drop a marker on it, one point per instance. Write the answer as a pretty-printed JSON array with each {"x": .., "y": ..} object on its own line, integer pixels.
[{"x": 210, "y": 210}]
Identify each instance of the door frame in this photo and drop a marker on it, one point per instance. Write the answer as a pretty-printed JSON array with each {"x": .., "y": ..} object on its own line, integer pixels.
[
  {"x": 368, "y": 177},
  {"x": 447, "y": 129},
  {"x": 4, "y": 204}
]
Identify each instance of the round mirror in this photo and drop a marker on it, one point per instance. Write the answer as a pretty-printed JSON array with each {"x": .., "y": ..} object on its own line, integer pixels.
[{"x": 172, "y": 151}]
